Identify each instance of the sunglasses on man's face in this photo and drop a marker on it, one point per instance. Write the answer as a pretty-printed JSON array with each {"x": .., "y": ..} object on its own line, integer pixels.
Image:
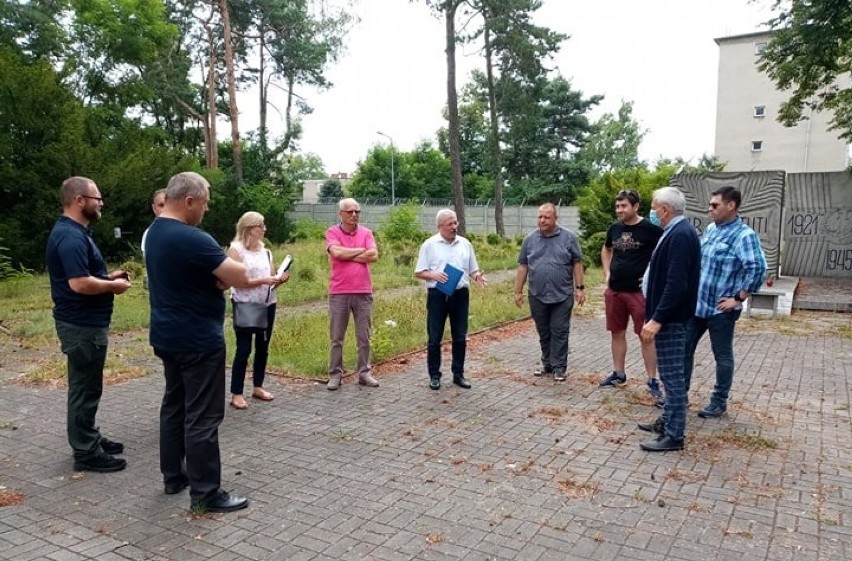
[{"x": 351, "y": 212}]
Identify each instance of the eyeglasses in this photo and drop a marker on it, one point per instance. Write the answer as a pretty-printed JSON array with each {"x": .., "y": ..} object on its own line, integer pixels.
[
  {"x": 261, "y": 225},
  {"x": 351, "y": 212},
  {"x": 715, "y": 205},
  {"x": 99, "y": 199}
]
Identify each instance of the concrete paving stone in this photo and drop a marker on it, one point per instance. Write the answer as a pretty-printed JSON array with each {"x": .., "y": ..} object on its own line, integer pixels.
[{"x": 65, "y": 555}]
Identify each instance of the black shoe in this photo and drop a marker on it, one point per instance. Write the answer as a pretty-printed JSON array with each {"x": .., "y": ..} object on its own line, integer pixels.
[
  {"x": 461, "y": 382},
  {"x": 111, "y": 446},
  {"x": 221, "y": 502},
  {"x": 712, "y": 411},
  {"x": 662, "y": 444},
  {"x": 175, "y": 488},
  {"x": 103, "y": 463},
  {"x": 655, "y": 426},
  {"x": 434, "y": 383}
]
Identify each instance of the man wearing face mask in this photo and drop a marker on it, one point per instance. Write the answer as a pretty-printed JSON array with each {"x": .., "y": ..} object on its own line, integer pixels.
[{"x": 625, "y": 256}]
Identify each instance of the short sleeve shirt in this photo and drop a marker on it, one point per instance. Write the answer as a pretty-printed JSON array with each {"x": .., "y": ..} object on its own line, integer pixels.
[
  {"x": 632, "y": 246},
  {"x": 436, "y": 253},
  {"x": 550, "y": 264},
  {"x": 72, "y": 253},
  {"x": 349, "y": 277},
  {"x": 187, "y": 309}
]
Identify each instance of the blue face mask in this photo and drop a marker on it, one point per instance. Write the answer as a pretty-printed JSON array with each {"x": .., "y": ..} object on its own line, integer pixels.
[{"x": 652, "y": 216}]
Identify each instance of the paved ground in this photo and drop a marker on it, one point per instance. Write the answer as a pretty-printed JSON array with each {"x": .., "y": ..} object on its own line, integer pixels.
[{"x": 517, "y": 468}]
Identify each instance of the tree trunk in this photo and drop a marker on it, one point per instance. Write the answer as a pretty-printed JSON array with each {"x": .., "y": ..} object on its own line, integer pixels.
[
  {"x": 453, "y": 114},
  {"x": 212, "y": 145},
  {"x": 494, "y": 140},
  {"x": 232, "y": 91},
  {"x": 263, "y": 88}
]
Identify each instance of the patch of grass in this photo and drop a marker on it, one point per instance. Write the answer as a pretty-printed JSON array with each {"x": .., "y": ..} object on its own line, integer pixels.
[
  {"x": 53, "y": 373},
  {"x": 741, "y": 439},
  {"x": 300, "y": 347}
]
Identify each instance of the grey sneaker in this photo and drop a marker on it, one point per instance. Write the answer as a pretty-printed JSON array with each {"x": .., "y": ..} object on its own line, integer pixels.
[
  {"x": 559, "y": 377},
  {"x": 368, "y": 380},
  {"x": 334, "y": 382},
  {"x": 613, "y": 380}
]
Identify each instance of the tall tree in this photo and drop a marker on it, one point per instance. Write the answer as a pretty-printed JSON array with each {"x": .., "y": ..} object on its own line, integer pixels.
[
  {"x": 237, "y": 156},
  {"x": 448, "y": 9},
  {"x": 614, "y": 141},
  {"x": 521, "y": 49},
  {"x": 809, "y": 53}
]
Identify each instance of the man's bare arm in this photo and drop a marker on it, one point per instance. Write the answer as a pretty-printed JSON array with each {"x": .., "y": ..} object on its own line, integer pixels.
[{"x": 232, "y": 273}]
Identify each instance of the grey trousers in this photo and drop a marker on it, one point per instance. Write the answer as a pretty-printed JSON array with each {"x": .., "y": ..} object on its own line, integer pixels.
[
  {"x": 553, "y": 323},
  {"x": 339, "y": 308}
]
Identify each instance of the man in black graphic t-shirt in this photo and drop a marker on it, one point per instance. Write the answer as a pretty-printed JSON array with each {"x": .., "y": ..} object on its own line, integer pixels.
[{"x": 629, "y": 244}]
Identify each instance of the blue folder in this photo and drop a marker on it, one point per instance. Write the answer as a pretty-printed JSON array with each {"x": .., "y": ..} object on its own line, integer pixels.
[{"x": 454, "y": 275}]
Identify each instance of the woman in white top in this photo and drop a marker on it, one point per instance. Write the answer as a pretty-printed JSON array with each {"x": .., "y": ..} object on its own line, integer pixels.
[{"x": 247, "y": 247}]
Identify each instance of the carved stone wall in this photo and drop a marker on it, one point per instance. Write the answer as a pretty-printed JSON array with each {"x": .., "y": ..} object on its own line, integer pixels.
[
  {"x": 761, "y": 208},
  {"x": 818, "y": 225}
]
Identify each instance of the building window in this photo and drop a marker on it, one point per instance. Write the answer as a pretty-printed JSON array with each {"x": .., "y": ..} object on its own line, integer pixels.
[
  {"x": 757, "y": 146},
  {"x": 759, "y": 48},
  {"x": 759, "y": 111}
]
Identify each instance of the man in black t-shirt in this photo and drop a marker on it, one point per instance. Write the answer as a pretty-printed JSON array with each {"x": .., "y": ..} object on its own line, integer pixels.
[{"x": 625, "y": 255}]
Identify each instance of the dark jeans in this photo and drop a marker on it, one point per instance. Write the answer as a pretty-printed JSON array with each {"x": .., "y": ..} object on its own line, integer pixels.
[
  {"x": 86, "y": 349},
  {"x": 670, "y": 344},
  {"x": 439, "y": 307},
  {"x": 261, "y": 354},
  {"x": 721, "y": 328},
  {"x": 192, "y": 409},
  {"x": 553, "y": 323}
]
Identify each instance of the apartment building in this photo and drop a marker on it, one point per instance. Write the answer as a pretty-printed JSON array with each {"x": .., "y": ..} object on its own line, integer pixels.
[{"x": 748, "y": 136}]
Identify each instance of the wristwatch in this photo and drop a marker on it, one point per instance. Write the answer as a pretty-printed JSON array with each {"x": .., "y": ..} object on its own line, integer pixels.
[
  {"x": 737, "y": 297},
  {"x": 580, "y": 287}
]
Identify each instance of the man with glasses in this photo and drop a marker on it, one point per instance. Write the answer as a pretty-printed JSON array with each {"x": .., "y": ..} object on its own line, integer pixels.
[
  {"x": 351, "y": 248},
  {"x": 83, "y": 294},
  {"x": 733, "y": 267},
  {"x": 625, "y": 256}
]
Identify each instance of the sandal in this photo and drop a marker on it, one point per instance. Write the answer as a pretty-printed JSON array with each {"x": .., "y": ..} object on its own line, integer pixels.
[
  {"x": 262, "y": 394},
  {"x": 239, "y": 402}
]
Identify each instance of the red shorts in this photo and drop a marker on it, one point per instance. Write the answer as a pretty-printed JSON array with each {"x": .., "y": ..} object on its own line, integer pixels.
[{"x": 620, "y": 307}]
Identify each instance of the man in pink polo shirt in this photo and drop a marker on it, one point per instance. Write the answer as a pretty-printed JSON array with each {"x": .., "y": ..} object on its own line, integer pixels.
[{"x": 351, "y": 248}]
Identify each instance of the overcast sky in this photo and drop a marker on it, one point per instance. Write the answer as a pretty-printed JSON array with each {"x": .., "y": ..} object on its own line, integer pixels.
[{"x": 660, "y": 54}]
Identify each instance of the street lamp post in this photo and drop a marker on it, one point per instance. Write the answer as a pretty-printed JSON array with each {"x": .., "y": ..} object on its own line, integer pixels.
[{"x": 393, "y": 179}]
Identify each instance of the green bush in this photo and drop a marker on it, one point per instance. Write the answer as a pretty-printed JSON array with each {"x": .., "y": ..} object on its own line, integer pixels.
[
  {"x": 591, "y": 248},
  {"x": 494, "y": 239},
  {"x": 402, "y": 225},
  {"x": 307, "y": 229}
]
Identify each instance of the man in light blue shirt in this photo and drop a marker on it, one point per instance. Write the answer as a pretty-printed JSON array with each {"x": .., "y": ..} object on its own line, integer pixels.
[
  {"x": 447, "y": 248},
  {"x": 733, "y": 267}
]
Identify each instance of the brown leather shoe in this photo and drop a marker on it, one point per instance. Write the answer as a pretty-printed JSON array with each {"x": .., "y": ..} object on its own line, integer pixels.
[
  {"x": 262, "y": 394},
  {"x": 238, "y": 402}
]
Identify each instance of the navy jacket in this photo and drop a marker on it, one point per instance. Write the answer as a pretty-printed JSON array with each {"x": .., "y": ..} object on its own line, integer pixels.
[{"x": 673, "y": 276}]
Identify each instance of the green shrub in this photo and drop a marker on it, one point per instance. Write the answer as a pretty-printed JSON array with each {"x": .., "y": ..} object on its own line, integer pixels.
[
  {"x": 402, "y": 225},
  {"x": 307, "y": 229},
  {"x": 494, "y": 239},
  {"x": 591, "y": 247}
]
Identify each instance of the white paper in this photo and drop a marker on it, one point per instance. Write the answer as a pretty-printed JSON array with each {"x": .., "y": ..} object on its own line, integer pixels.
[{"x": 285, "y": 265}]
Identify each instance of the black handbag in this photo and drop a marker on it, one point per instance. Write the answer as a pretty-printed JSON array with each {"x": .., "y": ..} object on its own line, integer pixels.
[{"x": 251, "y": 315}]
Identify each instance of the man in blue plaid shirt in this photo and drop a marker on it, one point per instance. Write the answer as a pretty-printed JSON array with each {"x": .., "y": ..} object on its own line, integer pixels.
[{"x": 733, "y": 267}]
